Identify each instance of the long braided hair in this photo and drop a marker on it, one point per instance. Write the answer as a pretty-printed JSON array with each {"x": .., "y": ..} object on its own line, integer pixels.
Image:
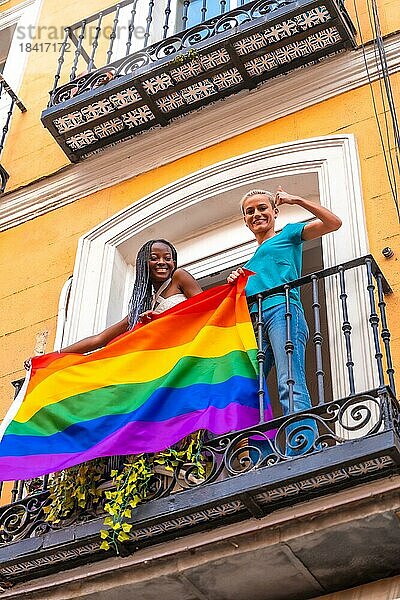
[{"x": 142, "y": 289}]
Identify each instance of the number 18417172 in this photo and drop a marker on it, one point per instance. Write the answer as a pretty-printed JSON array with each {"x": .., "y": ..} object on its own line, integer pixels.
[{"x": 44, "y": 47}]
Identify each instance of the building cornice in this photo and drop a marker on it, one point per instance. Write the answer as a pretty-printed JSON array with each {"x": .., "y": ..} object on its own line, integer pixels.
[
  {"x": 11, "y": 15},
  {"x": 276, "y": 99}
]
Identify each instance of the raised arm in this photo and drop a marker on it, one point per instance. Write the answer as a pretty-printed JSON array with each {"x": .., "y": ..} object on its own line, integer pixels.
[
  {"x": 326, "y": 221},
  {"x": 94, "y": 342}
]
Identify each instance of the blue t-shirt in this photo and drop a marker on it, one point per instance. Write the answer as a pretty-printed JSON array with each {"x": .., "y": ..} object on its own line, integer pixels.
[{"x": 277, "y": 261}]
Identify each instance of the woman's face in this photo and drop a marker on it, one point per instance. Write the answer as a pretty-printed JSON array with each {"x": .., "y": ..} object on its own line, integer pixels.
[
  {"x": 258, "y": 214},
  {"x": 161, "y": 263}
]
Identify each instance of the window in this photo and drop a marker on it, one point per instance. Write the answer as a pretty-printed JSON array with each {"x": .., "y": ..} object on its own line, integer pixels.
[
  {"x": 6, "y": 36},
  {"x": 140, "y": 24},
  {"x": 181, "y": 212},
  {"x": 14, "y": 22},
  {"x": 213, "y": 8},
  {"x": 195, "y": 9}
]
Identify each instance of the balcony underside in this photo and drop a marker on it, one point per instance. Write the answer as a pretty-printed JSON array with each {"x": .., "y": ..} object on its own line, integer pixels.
[
  {"x": 320, "y": 547},
  {"x": 243, "y": 499},
  {"x": 185, "y": 72}
]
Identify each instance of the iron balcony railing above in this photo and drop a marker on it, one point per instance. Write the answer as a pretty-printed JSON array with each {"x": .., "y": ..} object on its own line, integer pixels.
[
  {"x": 354, "y": 425},
  {"x": 128, "y": 27},
  {"x": 131, "y": 26},
  {"x": 8, "y": 101},
  {"x": 138, "y": 63}
]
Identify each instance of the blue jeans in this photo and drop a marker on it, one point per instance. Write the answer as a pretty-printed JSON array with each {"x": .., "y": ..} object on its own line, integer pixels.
[
  {"x": 300, "y": 435},
  {"x": 274, "y": 340}
]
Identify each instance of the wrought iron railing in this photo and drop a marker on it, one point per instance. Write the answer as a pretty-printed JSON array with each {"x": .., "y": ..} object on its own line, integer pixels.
[
  {"x": 131, "y": 25},
  {"x": 8, "y": 101},
  {"x": 132, "y": 34},
  {"x": 358, "y": 413},
  {"x": 375, "y": 288}
]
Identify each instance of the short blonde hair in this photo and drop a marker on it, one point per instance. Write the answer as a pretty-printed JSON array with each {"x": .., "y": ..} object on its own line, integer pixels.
[{"x": 251, "y": 193}]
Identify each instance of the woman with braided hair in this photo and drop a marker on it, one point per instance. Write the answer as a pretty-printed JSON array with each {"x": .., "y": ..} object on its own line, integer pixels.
[
  {"x": 158, "y": 286},
  {"x": 156, "y": 270}
]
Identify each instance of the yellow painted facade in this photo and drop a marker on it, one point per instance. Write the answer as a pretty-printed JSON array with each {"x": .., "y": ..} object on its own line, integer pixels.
[{"x": 37, "y": 257}]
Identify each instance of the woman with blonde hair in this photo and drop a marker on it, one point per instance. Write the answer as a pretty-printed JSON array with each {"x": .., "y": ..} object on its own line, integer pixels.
[{"x": 278, "y": 260}]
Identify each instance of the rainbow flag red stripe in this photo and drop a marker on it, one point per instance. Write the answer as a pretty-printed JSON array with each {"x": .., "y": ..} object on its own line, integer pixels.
[{"x": 194, "y": 367}]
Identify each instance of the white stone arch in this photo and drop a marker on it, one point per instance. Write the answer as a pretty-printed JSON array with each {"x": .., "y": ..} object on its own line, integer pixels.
[{"x": 200, "y": 214}]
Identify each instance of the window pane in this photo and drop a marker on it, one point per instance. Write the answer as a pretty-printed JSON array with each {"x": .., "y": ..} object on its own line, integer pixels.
[
  {"x": 6, "y": 36},
  {"x": 194, "y": 13}
]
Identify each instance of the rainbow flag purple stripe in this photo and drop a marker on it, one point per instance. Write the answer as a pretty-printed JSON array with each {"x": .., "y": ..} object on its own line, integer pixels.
[{"x": 194, "y": 367}]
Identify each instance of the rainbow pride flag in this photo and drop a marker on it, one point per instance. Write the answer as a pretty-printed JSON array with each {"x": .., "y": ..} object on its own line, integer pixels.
[{"x": 194, "y": 367}]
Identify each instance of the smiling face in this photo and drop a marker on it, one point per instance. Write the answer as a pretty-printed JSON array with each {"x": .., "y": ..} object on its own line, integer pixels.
[
  {"x": 259, "y": 216},
  {"x": 161, "y": 263}
]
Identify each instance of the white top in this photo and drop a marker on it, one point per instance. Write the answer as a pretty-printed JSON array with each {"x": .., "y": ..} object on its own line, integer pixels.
[
  {"x": 161, "y": 304},
  {"x": 166, "y": 303}
]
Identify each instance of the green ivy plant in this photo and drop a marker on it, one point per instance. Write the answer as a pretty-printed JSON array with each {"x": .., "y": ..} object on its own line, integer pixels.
[
  {"x": 181, "y": 59},
  {"x": 73, "y": 489},
  {"x": 78, "y": 488},
  {"x": 33, "y": 486},
  {"x": 133, "y": 483},
  {"x": 131, "y": 488}
]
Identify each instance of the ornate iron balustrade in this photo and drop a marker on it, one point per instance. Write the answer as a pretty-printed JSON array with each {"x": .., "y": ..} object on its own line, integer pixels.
[
  {"x": 333, "y": 444},
  {"x": 226, "y": 457},
  {"x": 189, "y": 26},
  {"x": 110, "y": 84},
  {"x": 8, "y": 101},
  {"x": 136, "y": 22}
]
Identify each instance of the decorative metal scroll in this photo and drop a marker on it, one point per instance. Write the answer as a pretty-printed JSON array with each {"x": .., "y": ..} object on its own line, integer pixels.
[
  {"x": 23, "y": 519},
  {"x": 177, "y": 43},
  {"x": 299, "y": 434},
  {"x": 231, "y": 455}
]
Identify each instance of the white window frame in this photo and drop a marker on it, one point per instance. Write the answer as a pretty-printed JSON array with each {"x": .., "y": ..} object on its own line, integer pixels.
[
  {"x": 102, "y": 278},
  {"x": 62, "y": 314},
  {"x": 24, "y": 14}
]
